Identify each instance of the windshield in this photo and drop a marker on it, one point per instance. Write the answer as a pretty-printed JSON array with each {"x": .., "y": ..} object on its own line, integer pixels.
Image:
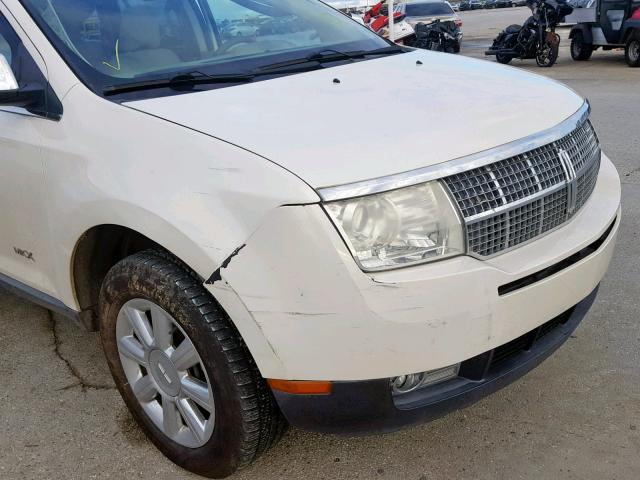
[
  {"x": 427, "y": 9},
  {"x": 112, "y": 42}
]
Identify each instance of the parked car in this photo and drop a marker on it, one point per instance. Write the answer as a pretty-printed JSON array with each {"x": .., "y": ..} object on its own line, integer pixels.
[
  {"x": 503, "y": 3},
  {"x": 465, "y": 5},
  {"x": 426, "y": 11},
  {"x": 476, "y": 4},
  {"x": 519, "y": 3},
  {"x": 490, "y": 4},
  {"x": 250, "y": 256}
]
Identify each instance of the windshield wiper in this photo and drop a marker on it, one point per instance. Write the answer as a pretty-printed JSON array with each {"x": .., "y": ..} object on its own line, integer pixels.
[
  {"x": 178, "y": 82},
  {"x": 186, "y": 81},
  {"x": 330, "y": 55}
]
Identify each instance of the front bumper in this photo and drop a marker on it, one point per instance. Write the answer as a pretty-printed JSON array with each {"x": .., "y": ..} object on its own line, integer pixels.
[
  {"x": 369, "y": 407},
  {"x": 307, "y": 312}
]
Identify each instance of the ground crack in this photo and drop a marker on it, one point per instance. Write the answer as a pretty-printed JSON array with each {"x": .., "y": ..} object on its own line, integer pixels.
[
  {"x": 81, "y": 382},
  {"x": 635, "y": 170}
]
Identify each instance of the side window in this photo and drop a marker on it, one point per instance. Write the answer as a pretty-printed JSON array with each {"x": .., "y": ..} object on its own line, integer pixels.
[
  {"x": 24, "y": 68},
  {"x": 5, "y": 38},
  {"x": 263, "y": 25},
  {"x": 7, "y": 49},
  {"x": 26, "y": 72},
  {"x": 4, "y": 48},
  {"x": 11, "y": 46}
]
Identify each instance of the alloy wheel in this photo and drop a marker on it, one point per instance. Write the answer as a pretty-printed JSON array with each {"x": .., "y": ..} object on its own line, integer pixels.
[
  {"x": 634, "y": 50},
  {"x": 165, "y": 373},
  {"x": 546, "y": 56}
]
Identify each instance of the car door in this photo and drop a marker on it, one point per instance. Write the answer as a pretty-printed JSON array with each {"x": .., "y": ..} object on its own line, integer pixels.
[
  {"x": 24, "y": 230},
  {"x": 612, "y": 15}
]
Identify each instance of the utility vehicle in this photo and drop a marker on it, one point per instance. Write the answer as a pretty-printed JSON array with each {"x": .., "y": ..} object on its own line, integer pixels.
[{"x": 607, "y": 24}]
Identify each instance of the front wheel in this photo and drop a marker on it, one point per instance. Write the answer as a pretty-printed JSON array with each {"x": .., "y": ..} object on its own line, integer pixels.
[
  {"x": 503, "y": 59},
  {"x": 182, "y": 368},
  {"x": 632, "y": 52},
  {"x": 547, "y": 55},
  {"x": 580, "y": 50}
]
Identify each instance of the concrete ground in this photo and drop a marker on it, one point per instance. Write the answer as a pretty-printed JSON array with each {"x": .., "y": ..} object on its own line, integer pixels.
[{"x": 575, "y": 417}]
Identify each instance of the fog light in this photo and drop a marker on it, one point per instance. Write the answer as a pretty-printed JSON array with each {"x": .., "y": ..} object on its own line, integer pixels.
[
  {"x": 406, "y": 383},
  {"x": 414, "y": 381}
]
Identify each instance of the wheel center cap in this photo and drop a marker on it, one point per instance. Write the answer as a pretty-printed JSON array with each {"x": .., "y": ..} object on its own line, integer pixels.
[{"x": 164, "y": 373}]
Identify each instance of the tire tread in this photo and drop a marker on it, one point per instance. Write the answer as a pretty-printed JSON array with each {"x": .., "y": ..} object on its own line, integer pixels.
[{"x": 262, "y": 422}]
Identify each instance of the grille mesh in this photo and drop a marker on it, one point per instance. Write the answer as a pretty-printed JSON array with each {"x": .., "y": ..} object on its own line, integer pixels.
[
  {"x": 581, "y": 145},
  {"x": 587, "y": 182},
  {"x": 513, "y": 201}
]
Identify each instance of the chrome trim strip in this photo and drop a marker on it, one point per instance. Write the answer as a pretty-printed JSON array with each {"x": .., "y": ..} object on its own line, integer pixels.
[
  {"x": 535, "y": 173},
  {"x": 540, "y": 189},
  {"x": 497, "y": 184},
  {"x": 445, "y": 169},
  {"x": 513, "y": 205},
  {"x": 572, "y": 187}
]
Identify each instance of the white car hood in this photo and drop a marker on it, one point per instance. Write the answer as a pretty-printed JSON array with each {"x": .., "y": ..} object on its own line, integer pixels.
[{"x": 385, "y": 116}]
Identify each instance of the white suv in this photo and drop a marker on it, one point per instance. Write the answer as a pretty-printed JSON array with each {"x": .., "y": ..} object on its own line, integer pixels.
[{"x": 193, "y": 178}]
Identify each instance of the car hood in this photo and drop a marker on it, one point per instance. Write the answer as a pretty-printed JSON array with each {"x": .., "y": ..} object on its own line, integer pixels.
[{"x": 374, "y": 118}]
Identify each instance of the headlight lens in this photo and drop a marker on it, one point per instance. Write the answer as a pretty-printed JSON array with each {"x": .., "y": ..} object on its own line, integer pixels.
[{"x": 399, "y": 228}]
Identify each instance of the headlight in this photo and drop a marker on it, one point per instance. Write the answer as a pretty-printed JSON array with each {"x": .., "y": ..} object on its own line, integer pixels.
[{"x": 399, "y": 228}]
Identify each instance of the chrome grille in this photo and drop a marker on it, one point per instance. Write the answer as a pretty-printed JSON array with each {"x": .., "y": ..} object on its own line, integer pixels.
[
  {"x": 510, "y": 202},
  {"x": 586, "y": 183}
]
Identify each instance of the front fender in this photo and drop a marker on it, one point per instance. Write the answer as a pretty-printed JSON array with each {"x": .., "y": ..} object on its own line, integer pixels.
[
  {"x": 197, "y": 196},
  {"x": 629, "y": 27},
  {"x": 586, "y": 32}
]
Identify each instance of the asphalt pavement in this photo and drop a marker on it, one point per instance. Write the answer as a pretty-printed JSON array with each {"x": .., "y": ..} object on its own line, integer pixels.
[{"x": 577, "y": 416}]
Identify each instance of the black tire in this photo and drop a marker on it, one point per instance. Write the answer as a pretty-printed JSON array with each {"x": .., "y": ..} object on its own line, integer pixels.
[
  {"x": 247, "y": 419},
  {"x": 547, "y": 56},
  {"x": 503, "y": 59},
  {"x": 456, "y": 47},
  {"x": 632, "y": 51},
  {"x": 580, "y": 51}
]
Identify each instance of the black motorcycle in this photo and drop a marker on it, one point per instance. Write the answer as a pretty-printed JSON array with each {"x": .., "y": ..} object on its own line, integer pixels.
[
  {"x": 537, "y": 38},
  {"x": 438, "y": 36}
]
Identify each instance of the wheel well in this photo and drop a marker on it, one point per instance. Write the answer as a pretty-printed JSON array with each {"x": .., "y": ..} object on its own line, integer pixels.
[
  {"x": 586, "y": 33},
  {"x": 97, "y": 250},
  {"x": 630, "y": 33}
]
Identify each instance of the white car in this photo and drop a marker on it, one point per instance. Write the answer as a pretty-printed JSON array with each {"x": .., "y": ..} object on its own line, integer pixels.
[
  {"x": 427, "y": 11},
  {"x": 249, "y": 257}
]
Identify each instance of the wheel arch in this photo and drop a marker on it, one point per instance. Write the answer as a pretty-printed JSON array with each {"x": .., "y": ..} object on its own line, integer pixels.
[
  {"x": 102, "y": 246},
  {"x": 585, "y": 30},
  {"x": 99, "y": 248},
  {"x": 629, "y": 29}
]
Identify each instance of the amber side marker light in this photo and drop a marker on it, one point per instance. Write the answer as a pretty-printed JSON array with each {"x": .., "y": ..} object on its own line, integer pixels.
[{"x": 301, "y": 387}]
